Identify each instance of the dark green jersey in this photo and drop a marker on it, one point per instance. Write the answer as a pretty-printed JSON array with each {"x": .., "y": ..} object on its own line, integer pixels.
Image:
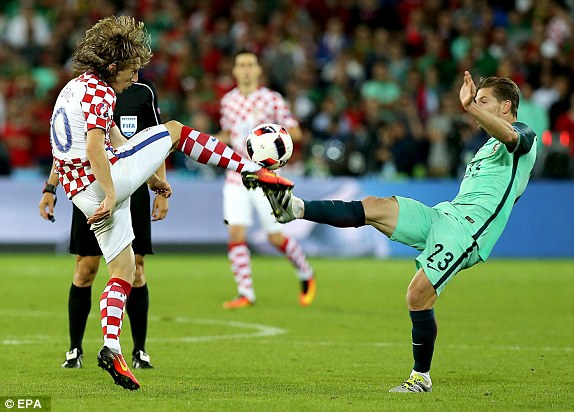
[{"x": 494, "y": 180}]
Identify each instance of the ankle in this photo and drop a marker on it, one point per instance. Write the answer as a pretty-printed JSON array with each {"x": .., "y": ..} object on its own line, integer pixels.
[{"x": 298, "y": 207}]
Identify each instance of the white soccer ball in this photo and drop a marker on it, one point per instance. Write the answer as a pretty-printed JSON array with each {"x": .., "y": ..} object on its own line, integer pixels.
[{"x": 270, "y": 145}]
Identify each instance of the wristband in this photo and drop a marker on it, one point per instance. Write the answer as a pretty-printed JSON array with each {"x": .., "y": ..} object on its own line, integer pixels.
[{"x": 48, "y": 188}]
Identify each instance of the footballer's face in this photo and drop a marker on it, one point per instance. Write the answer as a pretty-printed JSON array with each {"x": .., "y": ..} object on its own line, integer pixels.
[
  {"x": 246, "y": 70},
  {"x": 487, "y": 101},
  {"x": 124, "y": 79}
]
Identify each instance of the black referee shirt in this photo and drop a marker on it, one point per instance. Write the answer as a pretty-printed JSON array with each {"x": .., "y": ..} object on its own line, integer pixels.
[{"x": 137, "y": 108}]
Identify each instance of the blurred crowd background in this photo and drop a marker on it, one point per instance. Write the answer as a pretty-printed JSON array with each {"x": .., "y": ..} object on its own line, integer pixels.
[{"x": 374, "y": 83}]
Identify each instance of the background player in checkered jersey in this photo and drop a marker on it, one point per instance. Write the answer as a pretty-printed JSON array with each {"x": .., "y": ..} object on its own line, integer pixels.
[
  {"x": 99, "y": 169},
  {"x": 452, "y": 236},
  {"x": 136, "y": 109},
  {"x": 243, "y": 108}
]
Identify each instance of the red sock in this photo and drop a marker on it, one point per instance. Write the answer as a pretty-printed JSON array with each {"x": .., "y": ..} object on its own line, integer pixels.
[
  {"x": 295, "y": 254},
  {"x": 209, "y": 150},
  {"x": 112, "y": 305},
  {"x": 240, "y": 259}
]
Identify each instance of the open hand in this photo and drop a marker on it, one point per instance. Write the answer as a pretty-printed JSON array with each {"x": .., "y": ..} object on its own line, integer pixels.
[
  {"x": 467, "y": 91},
  {"x": 104, "y": 211}
]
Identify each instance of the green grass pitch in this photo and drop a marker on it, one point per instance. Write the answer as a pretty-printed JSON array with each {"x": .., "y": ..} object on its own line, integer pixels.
[{"x": 506, "y": 338}]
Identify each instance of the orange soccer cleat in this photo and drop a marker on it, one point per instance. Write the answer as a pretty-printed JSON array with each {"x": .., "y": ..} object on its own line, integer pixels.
[
  {"x": 116, "y": 366},
  {"x": 267, "y": 179},
  {"x": 238, "y": 303},
  {"x": 308, "y": 292}
]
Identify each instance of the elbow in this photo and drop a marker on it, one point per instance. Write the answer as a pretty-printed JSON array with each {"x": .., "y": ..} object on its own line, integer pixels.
[{"x": 510, "y": 138}]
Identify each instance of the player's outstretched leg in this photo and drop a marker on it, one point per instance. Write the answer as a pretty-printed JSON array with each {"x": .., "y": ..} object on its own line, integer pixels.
[
  {"x": 209, "y": 150},
  {"x": 287, "y": 207}
]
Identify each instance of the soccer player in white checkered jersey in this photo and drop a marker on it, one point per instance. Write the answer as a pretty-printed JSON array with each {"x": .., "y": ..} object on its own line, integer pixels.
[
  {"x": 136, "y": 109},
  {"x": 451, "y": 236},
  {"x": 242, "y": 108},
  {"x": 99, "y": 169}
]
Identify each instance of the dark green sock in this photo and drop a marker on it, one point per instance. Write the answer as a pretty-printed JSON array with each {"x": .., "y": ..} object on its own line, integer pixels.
[
  {"x": 79, "y": 305},
  {"x": 335, "y": 212},
  {"x": 137, "y": 307},
  {"x": 424, "y": 335}
]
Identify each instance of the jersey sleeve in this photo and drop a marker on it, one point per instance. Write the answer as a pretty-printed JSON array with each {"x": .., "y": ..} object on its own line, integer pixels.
[
  {"x": 97, "y": 105},
  {"x": 526, "y": 137}
]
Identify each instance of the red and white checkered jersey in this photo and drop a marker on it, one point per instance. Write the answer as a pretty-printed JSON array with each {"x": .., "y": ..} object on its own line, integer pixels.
[
  {"x": 240, "y": 114},
  {"x": 86, "y": 102}
]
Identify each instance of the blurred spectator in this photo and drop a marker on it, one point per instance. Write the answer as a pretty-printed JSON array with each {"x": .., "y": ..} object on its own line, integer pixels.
[
  {"x": 441, "y": 125},
  {"x": 562, "y": 103},
  {"x": 28, "y": 31},
  {"x": 565, "y": 121},
  {"x": 382, "y": 87},
  {"x": 532, "y": 112},
  {"x": 331, "y": 42},
  {"x": 17, "y": 137}
]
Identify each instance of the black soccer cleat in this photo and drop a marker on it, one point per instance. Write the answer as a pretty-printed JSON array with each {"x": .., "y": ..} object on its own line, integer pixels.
[
  {"x": 141, "y": 360},
  {"x": 116, "y": 366},
  {"x": 73, "y": 359}
]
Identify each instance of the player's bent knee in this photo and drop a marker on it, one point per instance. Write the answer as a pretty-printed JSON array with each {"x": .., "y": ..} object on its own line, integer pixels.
[
  {"x": 420, "y": 296},
  {"x": 174, "y": 128}
]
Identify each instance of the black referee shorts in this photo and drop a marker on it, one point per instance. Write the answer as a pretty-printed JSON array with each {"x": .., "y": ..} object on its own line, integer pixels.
[{"x": 83, "y": 241}]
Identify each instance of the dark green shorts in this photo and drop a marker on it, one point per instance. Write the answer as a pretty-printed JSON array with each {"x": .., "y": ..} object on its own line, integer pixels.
[
  {"x": 445, "y": 244},
  {"x": 83, "y": 241}
]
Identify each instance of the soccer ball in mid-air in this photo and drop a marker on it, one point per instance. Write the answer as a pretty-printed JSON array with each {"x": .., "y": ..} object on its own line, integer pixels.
[{"x": 270, "y": 145}]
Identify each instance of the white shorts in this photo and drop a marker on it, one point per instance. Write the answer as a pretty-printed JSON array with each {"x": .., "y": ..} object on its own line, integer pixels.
[
  {"x": 238, "y": 205},
  {"x": 138, "y": 159}
]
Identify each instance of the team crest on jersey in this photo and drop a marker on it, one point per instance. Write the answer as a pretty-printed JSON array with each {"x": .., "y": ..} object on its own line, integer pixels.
[
  {"x": 128, "y": 125},
  {"x": 102, "y": 109}
]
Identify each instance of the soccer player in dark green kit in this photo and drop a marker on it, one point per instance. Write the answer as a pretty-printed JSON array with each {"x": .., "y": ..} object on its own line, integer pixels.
[{"x": 451, "y": 236}]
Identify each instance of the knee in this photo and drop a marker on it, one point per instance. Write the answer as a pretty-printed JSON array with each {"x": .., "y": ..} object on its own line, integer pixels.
[
  {"x": 420, "y": 298},
  {"x": 86, "y": 270},
  {"x": 377, "y": 208},
  {"x": 237, "y": 234},
  {"x": 139, "y": 276},
  {"x": 174, "y": 128},
  {"x": 276, "y": 239}
]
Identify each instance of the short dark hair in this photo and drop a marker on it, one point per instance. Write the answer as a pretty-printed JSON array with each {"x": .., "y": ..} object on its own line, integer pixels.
[
  {"x": 244, "y": 51},
  {"x": 502, "y": 89}
]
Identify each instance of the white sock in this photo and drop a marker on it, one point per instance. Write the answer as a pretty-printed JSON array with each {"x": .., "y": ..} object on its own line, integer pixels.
[
  {"x": 425, "y": 375},
  {"x": 298, "y": 207}
]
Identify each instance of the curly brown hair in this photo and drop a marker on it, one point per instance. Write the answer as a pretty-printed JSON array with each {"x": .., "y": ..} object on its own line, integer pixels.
[{"x": 117, "y": 39}]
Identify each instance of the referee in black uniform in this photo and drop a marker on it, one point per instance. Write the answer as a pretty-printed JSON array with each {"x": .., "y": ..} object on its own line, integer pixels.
[{"x": 136, "y": 109}]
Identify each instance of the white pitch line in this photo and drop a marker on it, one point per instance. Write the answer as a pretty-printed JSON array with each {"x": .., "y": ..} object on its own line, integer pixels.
[{"x": 260, "y": 330}]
